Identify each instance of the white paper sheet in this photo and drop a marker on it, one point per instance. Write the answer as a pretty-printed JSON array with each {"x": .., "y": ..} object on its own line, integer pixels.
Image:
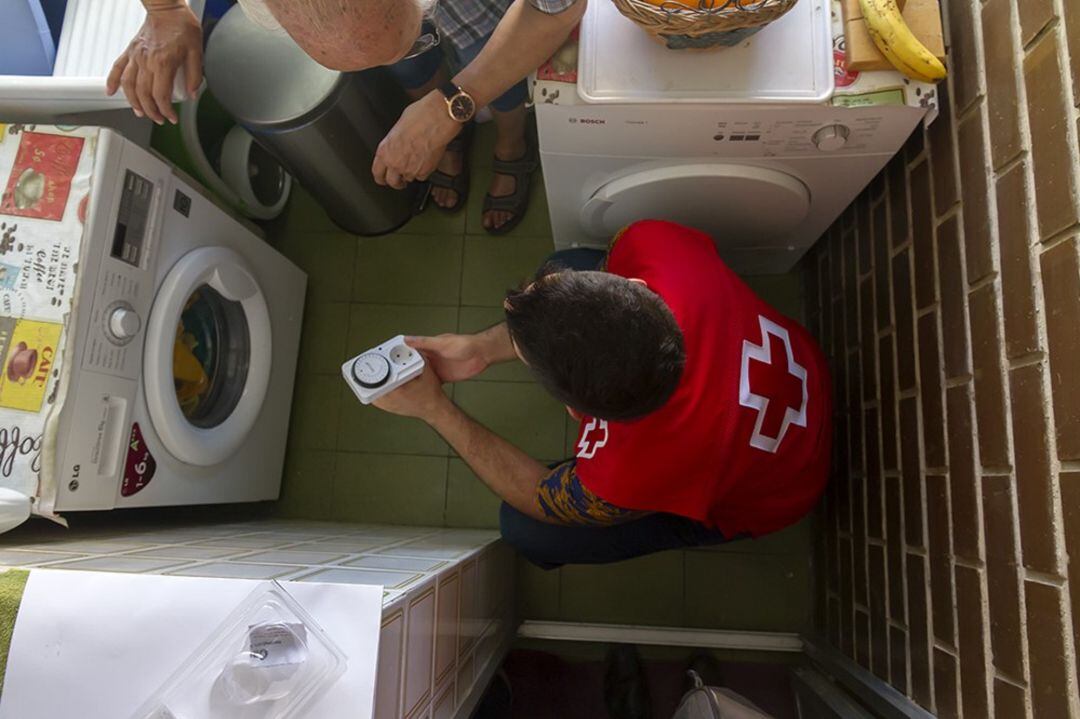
[{"x": 95, "y": 645}]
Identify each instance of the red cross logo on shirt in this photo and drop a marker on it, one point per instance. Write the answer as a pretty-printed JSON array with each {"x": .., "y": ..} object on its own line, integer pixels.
[
  {"x": 593, "y": 437},
  {"x": 770, "y": 367}
]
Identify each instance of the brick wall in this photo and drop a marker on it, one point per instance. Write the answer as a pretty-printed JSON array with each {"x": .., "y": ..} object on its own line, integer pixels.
[{"x": 948, "y": 298}]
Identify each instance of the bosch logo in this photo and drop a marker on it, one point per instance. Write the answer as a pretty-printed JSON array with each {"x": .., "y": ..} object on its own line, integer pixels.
[{"x": 587, "y": 121}]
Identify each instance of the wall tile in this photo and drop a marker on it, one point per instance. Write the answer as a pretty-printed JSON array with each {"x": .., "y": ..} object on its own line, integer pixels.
[
  {"x": 971, "y": 642},
  {"x": 862, "y": 638},
  {"x": 898, "y": 205},
  {"x": 954, "y": 333},
  {"x": 922, "y": 234},
  {"x": 874, "y": 489},
  {"x": 1050, "y": 667},
  {"x": 1070, "y": 503},
  {"x": 586, "y": 591},
  {"x": 1002, "y": 97},
  {"x": 1017, "y": 285},
  {"x": 930, "y": 392},
  {"x": 894, "y": 548},
  {"x": 939, "y": 555},
  {"x": 963, "y": 52},
  {"x": 905, "y": 321},
  {"x": 879, "y": 628},
  {"x": 1052, "y": 160},
  {"x": 882, "y": 262},
  {"x": 847, "y": 630},
  {"x": 1034, "y": 480},
  {"x": 945, "y": 684},
  {"x": 1034, "y": 14},
  {"x": 390, "y": 488},
  {"x": 887, "y": 403},
  {"x": 868, "y": 340},
  {"x": 1072, "y": 32},
  {"x": 978, "y": 247},
  {"x": 1009, "y": 699},
  {"x": 963, "y": 479},
  {"x": 920, "y": 631},
  {"x": 1002, "y": 576},
  {"x": 912, "y": 472},
  {"x": 942, "y": 158},
  {"x": 898, "y": 653},
  {"x": 989, "y": 388},
  {"x": 1061, "y": 290}
]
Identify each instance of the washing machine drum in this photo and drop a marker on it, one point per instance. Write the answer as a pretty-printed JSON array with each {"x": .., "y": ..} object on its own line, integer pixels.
[
  {"x": 208, "y": 356},
  {"x": 739, "y": 205}
]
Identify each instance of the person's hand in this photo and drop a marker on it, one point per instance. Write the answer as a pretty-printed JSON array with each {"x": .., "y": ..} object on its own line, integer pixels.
[
  {"x": 170, "y": 38},
  {"x": 453, "y": 357},
  {"x": 413, "y": 147},
  {"x": 421, "y": 397}
]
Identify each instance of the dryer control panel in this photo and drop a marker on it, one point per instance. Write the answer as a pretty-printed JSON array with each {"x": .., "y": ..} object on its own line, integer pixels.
[{"x": 702, "y": 131}]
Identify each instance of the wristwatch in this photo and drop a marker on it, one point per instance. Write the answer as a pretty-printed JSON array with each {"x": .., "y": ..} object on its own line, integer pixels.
[{"x": 459, "y": 104}]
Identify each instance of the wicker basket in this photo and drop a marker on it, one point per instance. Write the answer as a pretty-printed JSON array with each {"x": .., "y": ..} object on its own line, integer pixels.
[{"x": 682, "y": 24}]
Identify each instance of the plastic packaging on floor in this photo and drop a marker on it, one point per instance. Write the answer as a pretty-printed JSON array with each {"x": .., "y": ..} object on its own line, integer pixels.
[{"x": 268, "y": 659}]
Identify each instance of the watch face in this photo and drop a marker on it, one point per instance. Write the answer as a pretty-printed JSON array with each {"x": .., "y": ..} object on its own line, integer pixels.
[{"x": 462, "y": 107}]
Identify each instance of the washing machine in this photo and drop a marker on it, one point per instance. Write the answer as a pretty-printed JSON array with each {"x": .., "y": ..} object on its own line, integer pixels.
[
  {"x": 743, "y": 143},
  {"x": 185, "y": 344}
]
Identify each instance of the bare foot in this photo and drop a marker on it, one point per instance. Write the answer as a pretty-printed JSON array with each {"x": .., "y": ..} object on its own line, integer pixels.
[
  {"x": 503, "y": 185},
  {"x": 450, "y": 164}
]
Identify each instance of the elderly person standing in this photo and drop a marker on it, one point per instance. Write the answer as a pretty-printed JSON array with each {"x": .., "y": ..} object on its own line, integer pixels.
[{"x": 492, "y": 44}]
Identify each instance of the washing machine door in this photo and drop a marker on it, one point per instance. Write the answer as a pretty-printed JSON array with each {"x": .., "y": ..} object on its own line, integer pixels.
[
  {"x": 207, "y": 357},
  {"x": 738, "y": 205}
]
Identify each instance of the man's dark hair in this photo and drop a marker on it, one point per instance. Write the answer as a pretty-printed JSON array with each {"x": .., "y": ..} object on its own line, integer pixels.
[{"x": 602, "y": 345}]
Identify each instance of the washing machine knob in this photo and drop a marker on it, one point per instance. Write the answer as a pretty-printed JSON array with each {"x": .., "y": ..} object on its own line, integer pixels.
[
  {"x": 831, "y": 137},
  {"x": 124, "y": 323}
]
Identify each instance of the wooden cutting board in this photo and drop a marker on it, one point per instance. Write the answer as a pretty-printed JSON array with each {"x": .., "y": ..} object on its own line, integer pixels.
[{"x": 922, "y": 16}]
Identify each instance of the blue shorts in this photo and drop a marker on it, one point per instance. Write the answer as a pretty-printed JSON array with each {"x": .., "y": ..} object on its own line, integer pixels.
[{"x": 418, "y": 71}]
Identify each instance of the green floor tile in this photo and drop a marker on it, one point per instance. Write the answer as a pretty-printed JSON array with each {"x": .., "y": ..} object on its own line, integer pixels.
[
  {"x": 408, "y": 269},
  {"x": 322, "y": 342},
  {"x": 371, "y": 324},
  {"x": 784, "y": 292},
  {"x": 537, "y": 591},
  {"x": 752, "y": 592},
  {"x": 476, "y": 319},
  {"x": 434, "y": 221},
  {"x": 306, "y": 484},
  {"x": 328, "y": 259},
  {"x": 316, "y": 406},
  {"x": 303, "y": 215},
  {"x": 364, "y": 428},
  {"x": 536, "y": 223},
  {"x": 647, "y": 590},
  {"x": 469, "y": 503},
  {"x": 389, "y": 488},
  {"x": 483, "y": 145},
  {"x": 495, "y": 264},
  {"x": 522, "y": 413}
]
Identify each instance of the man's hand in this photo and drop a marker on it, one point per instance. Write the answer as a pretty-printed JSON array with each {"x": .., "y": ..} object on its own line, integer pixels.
[
  {"x": 454, "y": 358},
  {"x": 421, "y": 397},
  {"x": 413, "y": 147},
  {"x": 170, "y": 38}
]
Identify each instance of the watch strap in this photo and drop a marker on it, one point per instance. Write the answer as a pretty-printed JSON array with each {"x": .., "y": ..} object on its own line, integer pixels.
[{"x": 449, "y": 90}]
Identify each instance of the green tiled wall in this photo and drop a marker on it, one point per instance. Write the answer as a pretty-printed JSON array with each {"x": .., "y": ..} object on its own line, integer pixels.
[{"x": 442, "y": 273}]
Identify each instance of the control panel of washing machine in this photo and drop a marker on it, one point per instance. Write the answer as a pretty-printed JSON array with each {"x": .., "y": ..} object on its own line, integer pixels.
[{"x": 382, "y": 369}]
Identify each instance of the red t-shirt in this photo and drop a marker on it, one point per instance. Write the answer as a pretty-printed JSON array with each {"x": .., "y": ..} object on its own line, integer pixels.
[{"x": 743, "y": 445}]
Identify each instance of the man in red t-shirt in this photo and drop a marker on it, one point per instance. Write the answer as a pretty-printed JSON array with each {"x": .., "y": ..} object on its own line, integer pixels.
[{"x": 704, "y": 413}]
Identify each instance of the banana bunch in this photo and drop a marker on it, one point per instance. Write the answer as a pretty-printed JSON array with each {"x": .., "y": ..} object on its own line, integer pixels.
[{"x": 896, "y": 42}]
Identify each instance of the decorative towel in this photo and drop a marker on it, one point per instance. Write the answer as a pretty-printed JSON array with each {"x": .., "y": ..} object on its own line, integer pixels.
[{"x": 45, "y": 174}]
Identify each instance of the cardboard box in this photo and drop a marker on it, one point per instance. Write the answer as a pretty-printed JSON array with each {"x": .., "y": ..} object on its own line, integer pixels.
[{"x": 922, "y": 16}]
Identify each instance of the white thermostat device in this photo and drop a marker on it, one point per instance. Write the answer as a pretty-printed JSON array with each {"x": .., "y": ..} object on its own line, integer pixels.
[{"x": 382, "y": 369}]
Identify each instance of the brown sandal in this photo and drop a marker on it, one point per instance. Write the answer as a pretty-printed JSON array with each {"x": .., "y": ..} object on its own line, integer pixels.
[
  {"x": 458, "y": 183},
  {"x": 517, "y": 202}
]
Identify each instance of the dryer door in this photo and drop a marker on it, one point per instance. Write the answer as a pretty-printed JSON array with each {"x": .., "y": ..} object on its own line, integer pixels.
[
  {"x": 208, "y": 356},
  {"x": 738, "y": 205}
]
